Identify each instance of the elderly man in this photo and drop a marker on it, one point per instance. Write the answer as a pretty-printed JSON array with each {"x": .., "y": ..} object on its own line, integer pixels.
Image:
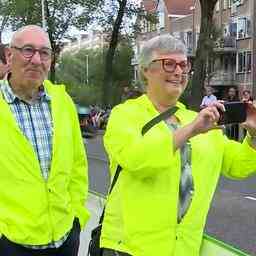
[
  {"x": 43, "y": 177},
  {"x": 160, "y": 201}
]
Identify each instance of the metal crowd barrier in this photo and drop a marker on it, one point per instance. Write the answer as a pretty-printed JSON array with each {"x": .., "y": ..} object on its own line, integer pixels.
[{"x": 213, "y": 247}]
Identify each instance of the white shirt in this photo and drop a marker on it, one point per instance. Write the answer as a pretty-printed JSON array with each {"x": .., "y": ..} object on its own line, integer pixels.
[{"x": 208, "y": 99}]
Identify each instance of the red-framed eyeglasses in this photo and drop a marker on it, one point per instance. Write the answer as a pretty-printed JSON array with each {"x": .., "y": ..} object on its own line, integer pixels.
[{"x": 170, "y": 65}]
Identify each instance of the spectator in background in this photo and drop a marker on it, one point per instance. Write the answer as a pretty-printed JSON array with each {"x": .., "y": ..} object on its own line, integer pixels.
[
  {"x": 4, "y": 67},
  {"x": 246, "y": 96},
  {"x": 131, "y": 93},
  {"x": 232, "y": 94},
  {"x": 232, "y": 130},
  {"x": 208, "y": 98}
]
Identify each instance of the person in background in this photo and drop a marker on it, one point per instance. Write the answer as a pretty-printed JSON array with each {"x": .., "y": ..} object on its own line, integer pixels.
[
  {"x": 208, "y": 98},
  {"x": 232, "y": 130},
  {"x": 161, "y": 199},
  {"x": 4, "y": 67},
  {"x": 246, "y": 96},
  {"x": 232, "y": 94},
  {"x": 43, "y": 166}
]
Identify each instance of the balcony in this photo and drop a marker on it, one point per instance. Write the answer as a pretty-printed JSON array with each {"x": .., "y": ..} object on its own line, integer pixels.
[
  {"x": 190, "y": 51},
  {"x": 222, "y": 78},
  {"x": 226, "y": 44},
  {"x": 134, "y": 61}
]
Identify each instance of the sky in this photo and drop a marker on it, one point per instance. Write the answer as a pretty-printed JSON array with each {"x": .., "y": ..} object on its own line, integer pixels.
[{"x": 6, "y": 35}]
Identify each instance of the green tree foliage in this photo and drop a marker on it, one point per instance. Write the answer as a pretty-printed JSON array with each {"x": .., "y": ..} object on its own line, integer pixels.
[
  {"x": 5, "y": 12},
  {"x": 118, "y": 18},
  {"x": 72, "y": 72},
  {"x": 60, "y": 16}
]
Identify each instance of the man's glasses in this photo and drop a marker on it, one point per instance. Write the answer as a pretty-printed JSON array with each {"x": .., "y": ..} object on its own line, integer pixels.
[
  {"x": 170, "y": 65},
  {"x": 28, "y": 52}
]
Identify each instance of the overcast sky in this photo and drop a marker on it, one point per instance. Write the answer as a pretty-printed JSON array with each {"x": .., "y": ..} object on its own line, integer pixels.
[{"x": 6, "y": 36}]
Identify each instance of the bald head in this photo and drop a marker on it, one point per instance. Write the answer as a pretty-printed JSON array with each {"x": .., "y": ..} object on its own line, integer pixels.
[
  {"x": 29, "y": 56},
  {"x": 20, "y": 34}
]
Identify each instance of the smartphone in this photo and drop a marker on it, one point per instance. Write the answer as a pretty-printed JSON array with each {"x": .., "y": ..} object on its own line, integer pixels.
[{"x": 235, "y": 113}]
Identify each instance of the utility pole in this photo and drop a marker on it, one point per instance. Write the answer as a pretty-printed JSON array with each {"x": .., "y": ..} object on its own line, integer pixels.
[
  {"x": 43, "y": 15},
  {"x": 87, "y": 69}
]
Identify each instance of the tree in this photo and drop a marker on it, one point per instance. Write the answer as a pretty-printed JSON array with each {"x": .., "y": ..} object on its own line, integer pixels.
[
  {"x": 71, "y": 72},
  {"x": 5, "y": 12},
  {"x": 204, "y": 47},
  {"x": 60, "y": 16},
  {"x": 118, "y": 17}
]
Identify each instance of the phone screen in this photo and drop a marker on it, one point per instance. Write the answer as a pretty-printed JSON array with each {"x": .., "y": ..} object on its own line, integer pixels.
[{"x": 235, "y": 113}]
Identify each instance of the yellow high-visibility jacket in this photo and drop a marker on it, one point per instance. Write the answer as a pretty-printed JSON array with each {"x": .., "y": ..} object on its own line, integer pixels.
[
  {"x": 34, "y": 211},
  {"x": 141, "y": 211}
]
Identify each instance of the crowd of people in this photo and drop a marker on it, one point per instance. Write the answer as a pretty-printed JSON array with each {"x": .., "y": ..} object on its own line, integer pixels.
[
  {"x": 232, "y": 95},
  {"x": 92, "y": 119},
  {"x": 161, "y": 198}
]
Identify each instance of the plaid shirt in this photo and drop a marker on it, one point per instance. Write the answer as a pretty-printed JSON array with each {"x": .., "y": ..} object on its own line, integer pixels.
[{"x": 35, "y": 122}]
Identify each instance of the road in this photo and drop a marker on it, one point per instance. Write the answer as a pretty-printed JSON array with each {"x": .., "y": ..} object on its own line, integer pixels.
[{"x": 231, "y": 217}]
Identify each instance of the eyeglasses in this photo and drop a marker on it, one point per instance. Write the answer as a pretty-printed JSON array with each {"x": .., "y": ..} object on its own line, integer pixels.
[
  {"x": 29, "y": 51},
  {"x": 170, "y": 65}
]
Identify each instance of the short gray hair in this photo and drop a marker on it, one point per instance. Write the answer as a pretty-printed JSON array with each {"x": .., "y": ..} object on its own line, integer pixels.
[
  {"x": 32, "y": 28},
  {"x": 163, "y": 44}
]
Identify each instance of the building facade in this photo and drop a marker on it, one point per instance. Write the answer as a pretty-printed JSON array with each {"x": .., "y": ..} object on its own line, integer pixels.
[
  {"x": 232, "y": 64},
  {"x": 166, "y": 12}
]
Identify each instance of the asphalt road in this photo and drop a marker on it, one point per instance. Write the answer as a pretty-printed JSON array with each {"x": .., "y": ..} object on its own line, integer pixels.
[{"x": 231, "y": 217}]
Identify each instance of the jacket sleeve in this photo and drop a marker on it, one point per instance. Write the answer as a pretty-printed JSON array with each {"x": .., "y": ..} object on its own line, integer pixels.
[
  {"x": 239, "y": 159},
  {"x": 142, "y": 155},
  {"x": 78, "y": 186}
]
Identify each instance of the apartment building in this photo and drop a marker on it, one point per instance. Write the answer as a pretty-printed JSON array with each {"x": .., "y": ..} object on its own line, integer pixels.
[
  {"x": 94, "y": 39},
  {"x": 233, "y": 58},
  {"x": 233, "y": 62},
  {"x": 166, "y": 12}
]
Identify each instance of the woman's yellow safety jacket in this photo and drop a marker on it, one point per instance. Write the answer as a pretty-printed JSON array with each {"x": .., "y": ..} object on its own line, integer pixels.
[{"x": 141, "y": 211}]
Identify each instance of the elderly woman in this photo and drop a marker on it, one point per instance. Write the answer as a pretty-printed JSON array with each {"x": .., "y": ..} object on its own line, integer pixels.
[{"x": 160, "y": 201}]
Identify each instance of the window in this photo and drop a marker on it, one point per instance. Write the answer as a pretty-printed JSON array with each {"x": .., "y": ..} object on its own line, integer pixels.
[
  {"x": 189, "y": 41},
  {"x": 249, "y": 62},
  {"x": 161, "y": 19},
  {"x": 233, "y": 29},
  {"x": 217, "y": 6},
  {"x": 226, "y": 63},
  {"x": 237, "y": 2},
  {"x": 244, "y": 61},
  {"x": 243, "y": 27},
  {"x": 226, "y": 4}
]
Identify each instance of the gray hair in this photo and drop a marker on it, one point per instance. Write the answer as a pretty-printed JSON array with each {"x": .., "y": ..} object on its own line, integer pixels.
[
  {"x": 32, "y": 28},
  {"x": 162, "y": 44}
]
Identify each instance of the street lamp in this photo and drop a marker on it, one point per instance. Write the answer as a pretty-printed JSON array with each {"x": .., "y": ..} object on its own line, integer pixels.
[
  {"x": 43, "y": 15},
  {"x": 87, "y": 68}
]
